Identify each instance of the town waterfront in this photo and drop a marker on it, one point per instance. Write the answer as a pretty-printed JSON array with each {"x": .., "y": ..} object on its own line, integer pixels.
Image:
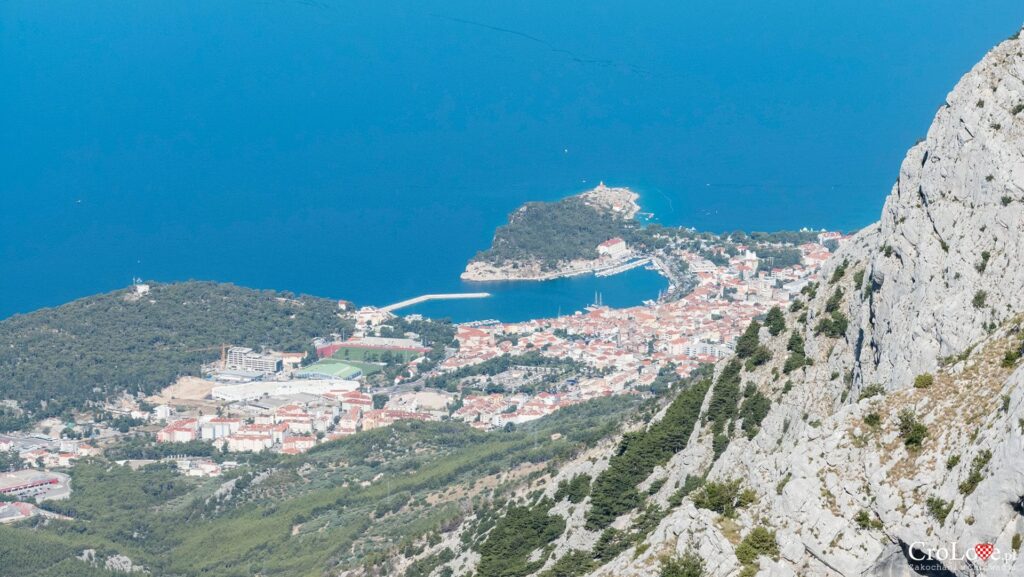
[{"x": 366, "y": 150}]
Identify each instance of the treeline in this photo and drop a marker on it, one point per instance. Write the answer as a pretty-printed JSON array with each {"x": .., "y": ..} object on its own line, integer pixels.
[
  {"x": 146, "y": 448},
  {"x": 552, "y": 232},
  {"x": 46, "y": 555},
  {"x": 794, "y": 237},
  {"x": 770, "y": 257},
  {"x": 490, "y": 367},
  {"x": 729, "y": 403},
  {"x": 102, "y": 345},
  {"x": 11, "y": 420},
  {"x": 521, "y": 530},
  {"x": 614, "y": 491},
  {"x": 434, "y": 333}
]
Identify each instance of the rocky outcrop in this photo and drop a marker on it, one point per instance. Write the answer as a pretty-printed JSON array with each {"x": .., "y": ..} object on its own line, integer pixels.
[
  {"x": 856, "y": 470},
  {"x": 945, "y": 257}
]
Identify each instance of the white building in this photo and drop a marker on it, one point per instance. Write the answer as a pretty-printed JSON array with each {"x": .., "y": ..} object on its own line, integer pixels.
[
  {"x": 245, "y": 359},
  {"x": 218, "y": 427},
  {"x": 162, "y": 412},
  {"x": 701, "y": 265},
  {"x": 613, "y": 248}
]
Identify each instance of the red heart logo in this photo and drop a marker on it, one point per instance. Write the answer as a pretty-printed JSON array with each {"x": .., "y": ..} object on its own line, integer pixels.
[{"x": 984, "y": 550}]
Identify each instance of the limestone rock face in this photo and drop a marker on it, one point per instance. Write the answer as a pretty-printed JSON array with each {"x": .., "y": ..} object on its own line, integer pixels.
[
  {"x": 952, "y": 229},
  {"x": 937, "y": 286},
  {"x": 958, "y": 198}
]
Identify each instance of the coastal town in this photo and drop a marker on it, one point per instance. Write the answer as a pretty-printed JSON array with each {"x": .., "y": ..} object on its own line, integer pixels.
[{"x": 488, "y": 374}]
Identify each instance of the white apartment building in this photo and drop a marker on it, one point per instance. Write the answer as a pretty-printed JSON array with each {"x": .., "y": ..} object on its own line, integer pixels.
[{"x": 245, "y": 359}]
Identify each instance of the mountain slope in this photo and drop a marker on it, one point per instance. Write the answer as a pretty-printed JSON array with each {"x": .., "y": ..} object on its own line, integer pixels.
[
  {"x": 363, "y": 505},
  {"x": 955, "y": 225},
  {"x": 889, "y": 420}
]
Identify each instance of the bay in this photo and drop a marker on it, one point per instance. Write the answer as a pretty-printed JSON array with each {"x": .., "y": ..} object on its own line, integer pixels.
[{"x": 366, "y": 150}]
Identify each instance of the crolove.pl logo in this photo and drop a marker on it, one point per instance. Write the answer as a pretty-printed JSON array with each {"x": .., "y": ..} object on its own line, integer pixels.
[{"x": 953, "y": 555}]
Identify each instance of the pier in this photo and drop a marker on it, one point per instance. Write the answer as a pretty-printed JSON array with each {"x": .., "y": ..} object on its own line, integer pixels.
[
  {"x": 630, "y": 265},
  {"x": 435, "y": 297}
]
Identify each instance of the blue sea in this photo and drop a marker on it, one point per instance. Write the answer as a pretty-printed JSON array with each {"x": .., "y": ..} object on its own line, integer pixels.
[{"x": 367, "y": 149}]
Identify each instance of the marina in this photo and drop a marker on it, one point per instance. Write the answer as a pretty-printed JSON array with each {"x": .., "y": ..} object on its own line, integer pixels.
[{"x": 623, "y": 267}]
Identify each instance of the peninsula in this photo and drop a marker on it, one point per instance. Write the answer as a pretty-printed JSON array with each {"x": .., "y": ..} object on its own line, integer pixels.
[{"x": 580, "y": 234}]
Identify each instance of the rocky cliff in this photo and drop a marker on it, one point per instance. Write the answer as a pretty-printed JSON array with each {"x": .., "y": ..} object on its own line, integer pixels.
[
  {"x": 892, "y": 443},
  {"x": 945, "y": 256}
]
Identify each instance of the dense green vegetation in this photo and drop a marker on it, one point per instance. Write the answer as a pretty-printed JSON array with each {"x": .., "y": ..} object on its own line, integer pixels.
[
  {"x": 775, "y": 322},
  {"x": 797, "y": 356},
  {"x": 794, "y": 237},
  {"x": 689, "y": 565},
  {"x": 521, "y": 530},
  {"x": 304, "y": 515},
  {"x": 552, "y": 232},
  {"x": 9, "y": 461},
  {"x": 974, "y": 477},
  {"x": 571, "y": 564},
  {"x": 774, "y": 257},
  {"x": 614, "y": 491},
  {"x": 609, "y": 545},
  {"x": 753, "y": 410},
  {"x": 865, "y": 520},
  {"x": 839, "y": 272},
  {"x": 13, "y": 420},
  {"x": 759, "y": 542},
  {"x": 727, "y": 404},
  {"x": 723, "y": 406},
  {"x": 924, "y": 381},
  {"x": 425, "y": 566},
  {"x": 872, "y": 390},
  {"x": 833, "y": 326},
  {"x": 45, "y": 555},
  {"x": 436, "y": 334},
  {"x": 749, "y": 347},
  {"x": 575, "y": 489},
  {"x": 145, "y": 447},
  {"x": 724, "y": 497},
  {"x": 914, "y": 432},
  {"x": 99, "y": 346},
  {"x": 450, "y": 380},
  {"x": 939, "y": 508}
]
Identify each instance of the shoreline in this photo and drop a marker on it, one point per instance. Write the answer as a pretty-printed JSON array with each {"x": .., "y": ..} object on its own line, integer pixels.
[
  {"x": 509, "y": 274},
  {"x": 617, "y": 202}
]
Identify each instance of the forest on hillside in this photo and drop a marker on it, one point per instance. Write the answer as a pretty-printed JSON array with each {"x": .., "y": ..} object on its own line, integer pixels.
[
  {"x": 102, "y": 345},
  {"x": 569, "y": 229},
  {"x": 553, "y": 232}
]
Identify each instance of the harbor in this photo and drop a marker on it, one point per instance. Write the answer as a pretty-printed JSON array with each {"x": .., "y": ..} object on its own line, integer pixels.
[{"x": 630, "y": 265}]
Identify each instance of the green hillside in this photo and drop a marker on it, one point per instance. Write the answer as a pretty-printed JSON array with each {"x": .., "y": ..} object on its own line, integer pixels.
[
  {"x": 101, "y": 345},
  {"x": 551, "y": 232},
  {"x": 355, "y": 503}
]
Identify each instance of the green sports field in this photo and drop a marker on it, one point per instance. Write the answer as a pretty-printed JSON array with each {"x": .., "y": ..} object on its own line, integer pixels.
[{"x": 330, "y": 368}]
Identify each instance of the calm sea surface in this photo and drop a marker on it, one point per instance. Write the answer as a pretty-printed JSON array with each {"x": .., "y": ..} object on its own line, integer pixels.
[{"x": 366, "y": 149}]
